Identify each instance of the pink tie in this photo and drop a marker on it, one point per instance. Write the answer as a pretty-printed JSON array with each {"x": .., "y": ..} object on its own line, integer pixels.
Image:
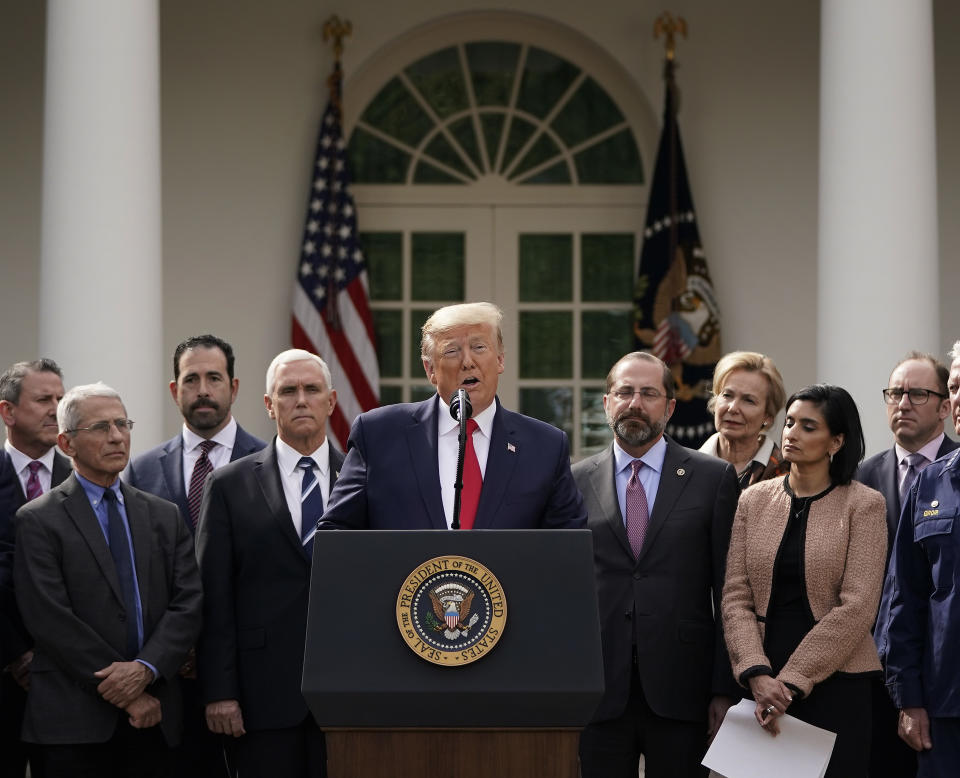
[
  {"x": 34, "y": 489},
  {"x": 472, "y": 480},
  {"x": 638, "y": 515}
]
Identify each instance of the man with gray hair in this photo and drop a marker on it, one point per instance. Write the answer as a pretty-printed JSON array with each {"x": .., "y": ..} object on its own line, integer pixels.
[
  {"x": 401, "y": 461},
  {"x": 29, "y": 466},
  {"x": 921, "y": 629},
  {"x": 107, "y": 583},
  {"x": 254, "y": 545}
]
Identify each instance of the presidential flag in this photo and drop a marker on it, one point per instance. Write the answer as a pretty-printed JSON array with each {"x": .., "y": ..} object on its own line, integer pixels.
[
  {"x": 331, "y": 309},
  {"x": 676, "y": 316}
]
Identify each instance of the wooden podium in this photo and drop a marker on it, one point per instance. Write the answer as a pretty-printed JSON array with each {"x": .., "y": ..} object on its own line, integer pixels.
[{"x": 517, "y": 710}]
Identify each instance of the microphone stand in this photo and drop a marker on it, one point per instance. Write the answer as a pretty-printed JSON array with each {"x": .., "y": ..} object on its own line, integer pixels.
[{"x": 460, "y": 410}]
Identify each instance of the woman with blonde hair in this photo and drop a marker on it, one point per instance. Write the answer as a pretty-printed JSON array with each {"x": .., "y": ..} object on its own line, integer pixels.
[{"x": 747, "y": 396}]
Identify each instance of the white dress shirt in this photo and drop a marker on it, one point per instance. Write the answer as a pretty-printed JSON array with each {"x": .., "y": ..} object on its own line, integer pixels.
[
  {"x": 448, "y": 449},
  {"x": 292, "y": 476},
  {"x": 219, "y": 455},
  {"x": 21, "y": 464}
]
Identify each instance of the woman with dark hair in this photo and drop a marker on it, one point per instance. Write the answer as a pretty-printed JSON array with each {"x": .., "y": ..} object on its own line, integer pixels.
[{"x": 804, "y": 576}]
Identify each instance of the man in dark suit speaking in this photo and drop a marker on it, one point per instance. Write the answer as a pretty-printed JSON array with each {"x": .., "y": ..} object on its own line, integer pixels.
[
  {"x": 254, "y": 544},
  {"x": 401, "y": 461},
  {"x": 661, "y": 516},
  {"x": 107, "y": 583}
]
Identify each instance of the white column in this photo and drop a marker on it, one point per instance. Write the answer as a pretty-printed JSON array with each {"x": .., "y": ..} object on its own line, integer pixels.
[
  {"x": 878, "y": 254},
  {"x": 101, "y": 265}
]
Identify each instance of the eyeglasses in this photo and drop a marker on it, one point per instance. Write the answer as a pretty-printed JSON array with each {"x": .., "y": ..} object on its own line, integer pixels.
[
  {"x": 647, "y": 394},
  {"x": 894, "y": 395},
  {"x": 103, "y": 427}
]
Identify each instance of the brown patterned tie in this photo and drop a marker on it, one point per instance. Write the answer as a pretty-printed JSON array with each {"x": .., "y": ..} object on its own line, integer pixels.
[{"x": 201, "y": 470}]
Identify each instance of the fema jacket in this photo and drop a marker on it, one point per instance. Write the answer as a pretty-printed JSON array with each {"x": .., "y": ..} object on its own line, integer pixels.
[{"x": 920, "y": 610}]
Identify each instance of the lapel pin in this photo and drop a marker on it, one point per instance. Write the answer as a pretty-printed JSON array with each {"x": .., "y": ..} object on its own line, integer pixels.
[
  {"x": 681, "y": 471},
  {"x": 935, "y": 503},
  {"x": 511, "y": 448}
]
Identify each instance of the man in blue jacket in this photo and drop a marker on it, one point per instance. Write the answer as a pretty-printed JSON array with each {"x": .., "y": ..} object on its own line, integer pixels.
[{"x": 922, "y": 630}]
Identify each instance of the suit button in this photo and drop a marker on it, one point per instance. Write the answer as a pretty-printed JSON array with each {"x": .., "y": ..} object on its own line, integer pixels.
[
  {"x": 628, "y": 615},
  {"x": 122, "y": 616}
]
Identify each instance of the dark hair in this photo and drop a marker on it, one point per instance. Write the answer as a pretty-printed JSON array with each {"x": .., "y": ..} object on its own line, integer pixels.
[
  {"x": 669, "y": 385},
  {"x": 942, "y": 371},
  {"x": 11, "y": 382},
  {"x": 842, "y": 418},
  {"x": 203, "y": 341}
]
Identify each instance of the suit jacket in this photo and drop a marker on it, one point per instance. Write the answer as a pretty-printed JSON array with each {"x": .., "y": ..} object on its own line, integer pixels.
[
  {"x": 880, "y": 472},
  {"x": 69, "y": 594},
  {"x": 14, "y": 638},
  {"x": 390, "y": 477},
  {"x": 160, "y": 470},
  {"x": 662, "y": 604},
  {"x": 256, "y": 581}
]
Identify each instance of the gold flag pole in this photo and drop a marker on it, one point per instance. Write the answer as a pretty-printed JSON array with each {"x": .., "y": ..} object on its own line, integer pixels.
[
  {"x": 669, "y": 27},
  {"x": 336, "y": 29}
]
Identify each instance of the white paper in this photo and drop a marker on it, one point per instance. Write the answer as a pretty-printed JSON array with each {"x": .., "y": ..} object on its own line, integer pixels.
[{"x": 744, "y": 749}]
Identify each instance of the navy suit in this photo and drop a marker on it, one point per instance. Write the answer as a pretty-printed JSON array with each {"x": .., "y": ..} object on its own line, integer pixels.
[
  {"x": 920, "y": 633},
  {"x": 160, "y": 470},
  {"x": 390, "y": 477}
]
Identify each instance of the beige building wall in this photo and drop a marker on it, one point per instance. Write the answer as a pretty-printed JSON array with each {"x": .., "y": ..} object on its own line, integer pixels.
[{"x": 243, "y": 87}]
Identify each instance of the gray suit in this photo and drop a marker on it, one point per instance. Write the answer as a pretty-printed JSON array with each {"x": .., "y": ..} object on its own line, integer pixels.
[
  {"x": 662, "y": 605},
  {"x": 69, "y": 594}
]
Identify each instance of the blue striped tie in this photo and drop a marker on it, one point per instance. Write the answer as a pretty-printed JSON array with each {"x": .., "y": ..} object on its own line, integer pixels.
[{"x": 311, "y": 505}]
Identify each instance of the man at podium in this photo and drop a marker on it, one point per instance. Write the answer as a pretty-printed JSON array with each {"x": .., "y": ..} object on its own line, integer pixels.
[{"x": 401, "y": 460}]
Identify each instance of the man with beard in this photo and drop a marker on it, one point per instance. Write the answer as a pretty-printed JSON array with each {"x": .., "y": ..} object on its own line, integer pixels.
[
  {"x": 204, "y": 388},
  {"x": 661, "y": 516}
]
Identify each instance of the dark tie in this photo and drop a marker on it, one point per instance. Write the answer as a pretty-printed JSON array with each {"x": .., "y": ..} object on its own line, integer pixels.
[
  {"x": 198, "y": 478},
  {"x": 311, "y": 505},
  {"x": 638, "y": 514},
  {"x": 120, "y": 551},
  {"x": 915, "y": 464},
  {"x": 34, "y": 489},
  {"x": 472, "y": 480}
]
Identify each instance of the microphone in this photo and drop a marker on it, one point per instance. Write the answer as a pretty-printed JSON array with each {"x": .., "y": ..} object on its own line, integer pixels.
[{"x": 461, "y": 400}]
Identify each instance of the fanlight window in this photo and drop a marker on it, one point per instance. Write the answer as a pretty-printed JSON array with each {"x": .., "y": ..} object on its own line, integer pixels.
[{"x": 493, "y": 109}]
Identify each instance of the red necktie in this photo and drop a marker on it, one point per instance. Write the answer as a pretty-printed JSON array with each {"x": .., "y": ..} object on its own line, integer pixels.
[
  {"x": 34, "y": 489},
  {"x": 638, "y": 514},
  {"x": 472, "y": 480},
  {"x": 201, "y": 470}
]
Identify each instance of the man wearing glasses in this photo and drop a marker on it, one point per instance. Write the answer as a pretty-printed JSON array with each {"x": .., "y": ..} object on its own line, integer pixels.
[
  {"x": 661, "y": 516},
  {"x": 107, "y": 583},
  {"x": 917, "y": 404}
]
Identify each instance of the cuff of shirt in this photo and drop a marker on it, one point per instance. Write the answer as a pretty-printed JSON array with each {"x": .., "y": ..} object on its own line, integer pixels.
[{"x": 151, "y": 668}]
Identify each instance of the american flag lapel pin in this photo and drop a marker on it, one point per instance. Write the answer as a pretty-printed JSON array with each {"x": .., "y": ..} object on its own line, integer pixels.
[{"x": 511, "y": 448}]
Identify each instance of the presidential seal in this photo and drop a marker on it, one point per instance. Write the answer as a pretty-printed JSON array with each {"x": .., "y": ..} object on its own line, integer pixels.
[{"x": 451, "y": 611}]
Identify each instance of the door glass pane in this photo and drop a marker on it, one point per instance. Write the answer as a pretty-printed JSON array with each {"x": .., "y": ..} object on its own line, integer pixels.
[
  {"x": 605, "y": 337},
  {"x": 606, "y": 267},
  {"x": 439, "y": 78},
  {"x": 546, "y": 344},
  {"x": 437, "y": 265},
  {"x": 546, "y": 268},
  {"x": 554, "y": 406},
  {"x": 384, "y": 254},
  {"x": 388, "y": 325},
  {"x": 594, "y": 432},
  {"x": 390, "y": 395}
]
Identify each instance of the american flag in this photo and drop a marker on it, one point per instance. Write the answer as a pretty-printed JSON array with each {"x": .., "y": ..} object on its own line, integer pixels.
[{"x": 331, "y": 310}]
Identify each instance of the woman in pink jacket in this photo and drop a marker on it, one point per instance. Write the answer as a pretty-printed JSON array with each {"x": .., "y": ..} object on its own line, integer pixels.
[{"x": 804, "y": 576}]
